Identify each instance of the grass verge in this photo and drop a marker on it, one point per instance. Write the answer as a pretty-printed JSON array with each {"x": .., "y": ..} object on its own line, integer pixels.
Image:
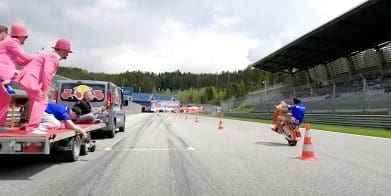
[{"x": 383, "y": 133}]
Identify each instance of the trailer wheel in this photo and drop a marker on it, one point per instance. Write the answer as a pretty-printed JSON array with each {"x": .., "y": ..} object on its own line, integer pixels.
[
  {"x": 73, "y": 154},
  {"x": 84, "y": 145},
  {"x": 92, "y": 148},
  {"x": 83, "y": 149}
]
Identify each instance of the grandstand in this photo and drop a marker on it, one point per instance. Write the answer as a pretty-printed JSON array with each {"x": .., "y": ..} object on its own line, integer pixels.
[{"x": 347, "y": 63}]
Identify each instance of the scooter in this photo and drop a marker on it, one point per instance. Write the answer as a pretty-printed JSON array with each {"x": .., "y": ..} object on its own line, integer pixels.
[{"x": 291, "y": 132}]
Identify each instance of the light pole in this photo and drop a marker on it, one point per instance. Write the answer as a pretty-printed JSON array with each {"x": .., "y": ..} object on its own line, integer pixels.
[{"x": 264, "y": 83}]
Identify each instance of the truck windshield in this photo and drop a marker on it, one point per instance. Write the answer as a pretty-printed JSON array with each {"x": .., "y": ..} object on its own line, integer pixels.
[{"x": 72, "y": 92}]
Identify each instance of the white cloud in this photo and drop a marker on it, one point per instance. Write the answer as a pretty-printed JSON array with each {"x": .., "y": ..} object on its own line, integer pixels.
[
  {"x": 186, "y": 50},
  {"x": 198, "y": 36},
  {"x": 3, "y": 6}
]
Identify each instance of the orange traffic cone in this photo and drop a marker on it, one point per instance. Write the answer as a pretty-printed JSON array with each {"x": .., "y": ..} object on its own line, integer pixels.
[
  {"x": 221, "y": 127},
  {"x": 196, "y": 120},
  {"x": 308, "y": 153}
]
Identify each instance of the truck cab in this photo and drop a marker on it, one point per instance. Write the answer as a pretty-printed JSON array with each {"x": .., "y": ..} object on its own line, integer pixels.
[{"x": 106, "y": 94}]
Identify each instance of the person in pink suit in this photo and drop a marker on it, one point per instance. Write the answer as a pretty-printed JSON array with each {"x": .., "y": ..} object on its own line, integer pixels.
[
  {"x": 36, "y": 77},
  {"x": 11, "y": 54}
]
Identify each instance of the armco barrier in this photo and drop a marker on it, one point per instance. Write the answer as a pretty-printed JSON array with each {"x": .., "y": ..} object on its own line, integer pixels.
[{"x": 371, "y": 121}]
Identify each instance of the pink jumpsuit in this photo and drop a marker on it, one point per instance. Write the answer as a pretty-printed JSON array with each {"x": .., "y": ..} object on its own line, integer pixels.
[
  {"x": 36, "y": 79},
  {"x": 11, "y": 54}
]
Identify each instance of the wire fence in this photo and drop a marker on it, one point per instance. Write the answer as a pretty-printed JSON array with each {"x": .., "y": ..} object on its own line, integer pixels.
[{"x": 359, "y": 97}]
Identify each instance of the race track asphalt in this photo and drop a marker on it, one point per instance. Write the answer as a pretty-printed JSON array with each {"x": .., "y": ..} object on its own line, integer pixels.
[{"x": 166, "y": 154}]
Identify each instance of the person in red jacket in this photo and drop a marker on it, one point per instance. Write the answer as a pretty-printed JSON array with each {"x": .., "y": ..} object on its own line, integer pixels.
[{"x": 36, "y": 78}]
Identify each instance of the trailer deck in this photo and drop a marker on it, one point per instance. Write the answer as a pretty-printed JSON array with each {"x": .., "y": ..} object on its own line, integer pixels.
[{"x": 18, "y": 141}]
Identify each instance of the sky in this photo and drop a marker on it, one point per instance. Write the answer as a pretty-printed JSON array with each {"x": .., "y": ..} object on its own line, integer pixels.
[{"x": 197, "y": 36}]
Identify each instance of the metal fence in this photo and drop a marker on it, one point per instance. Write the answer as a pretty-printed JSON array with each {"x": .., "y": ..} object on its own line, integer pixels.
[
  {"x": 210, "y": 109},
  {"x": 358, "y": 99},
  {"x": 373, "y": 121}
]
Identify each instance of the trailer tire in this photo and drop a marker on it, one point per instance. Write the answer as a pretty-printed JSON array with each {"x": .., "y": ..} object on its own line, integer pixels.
[
  {"x": 73, "y": 154},
  {"x": 85, "y": 145},
  {"x": 83, "y": 149},
  {"x": 93, "y": 148}
]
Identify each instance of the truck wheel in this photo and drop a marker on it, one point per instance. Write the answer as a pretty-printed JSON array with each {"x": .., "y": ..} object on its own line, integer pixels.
[
  {"x": 111, "y": 133},
  {"x": 73, "y": 154},
  {"x": 122, "y": 129},
  {"x": 292, "y": 143}
]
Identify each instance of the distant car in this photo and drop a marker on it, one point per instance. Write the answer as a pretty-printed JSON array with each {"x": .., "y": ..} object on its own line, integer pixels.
[{"x": 107, "y": 94}]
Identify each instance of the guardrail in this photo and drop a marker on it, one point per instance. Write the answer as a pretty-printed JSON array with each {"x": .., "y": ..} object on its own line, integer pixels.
[{"x": 371, "y": 121}]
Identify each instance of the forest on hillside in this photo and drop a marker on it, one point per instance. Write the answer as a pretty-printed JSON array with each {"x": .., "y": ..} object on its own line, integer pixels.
[{"x": 204, "y": 88}]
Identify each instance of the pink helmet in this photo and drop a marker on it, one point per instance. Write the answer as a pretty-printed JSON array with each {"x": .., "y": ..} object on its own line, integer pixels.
[
  {"x": 18, "y": 30},
  {"x": 63, "y": 44}
]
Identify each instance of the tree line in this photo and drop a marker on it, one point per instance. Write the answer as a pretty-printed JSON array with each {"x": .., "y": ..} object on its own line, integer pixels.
[{"x": 204, "y": 88}]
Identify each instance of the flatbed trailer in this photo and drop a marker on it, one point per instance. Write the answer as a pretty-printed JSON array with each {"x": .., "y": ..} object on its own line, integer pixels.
[{"x": 18, "y": 141}]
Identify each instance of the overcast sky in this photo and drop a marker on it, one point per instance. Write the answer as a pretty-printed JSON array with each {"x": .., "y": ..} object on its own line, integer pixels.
[{"x": 166, "y": 35}]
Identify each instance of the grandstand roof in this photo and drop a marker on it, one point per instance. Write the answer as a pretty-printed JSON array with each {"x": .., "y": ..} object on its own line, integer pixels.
[{"x": 366, "y": 26}]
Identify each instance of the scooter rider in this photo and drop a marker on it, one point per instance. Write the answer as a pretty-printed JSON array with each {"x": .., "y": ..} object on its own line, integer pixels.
[{"x": 295, "y": 115}]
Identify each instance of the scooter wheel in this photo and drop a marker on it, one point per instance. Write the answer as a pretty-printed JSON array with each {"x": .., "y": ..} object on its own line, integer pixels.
[{"x": 292, "y": 143}]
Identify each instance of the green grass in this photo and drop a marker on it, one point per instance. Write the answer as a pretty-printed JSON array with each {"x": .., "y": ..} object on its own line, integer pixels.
[{"x": 383, "y": 133}]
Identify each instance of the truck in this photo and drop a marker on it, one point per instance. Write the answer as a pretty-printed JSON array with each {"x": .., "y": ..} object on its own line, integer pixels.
[
  {"x": 66, "y": 141},
  {"x": 106, "y": 94}
]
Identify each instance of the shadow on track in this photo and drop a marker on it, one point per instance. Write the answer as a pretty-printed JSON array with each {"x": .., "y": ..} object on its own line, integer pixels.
[
  {"x": 271, "y": 144},
  {"x": 23, "y": 167}
]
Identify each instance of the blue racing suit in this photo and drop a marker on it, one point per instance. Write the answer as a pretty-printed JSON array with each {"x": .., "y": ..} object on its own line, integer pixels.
[{"x": 298, "y": 111}]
